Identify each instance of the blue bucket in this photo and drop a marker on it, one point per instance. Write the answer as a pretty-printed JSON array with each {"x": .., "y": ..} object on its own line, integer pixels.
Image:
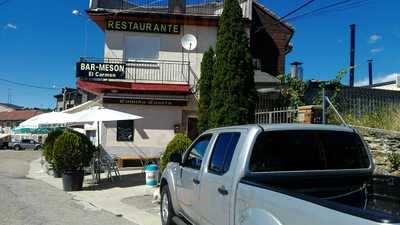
[{"x": 152, "y": 172}]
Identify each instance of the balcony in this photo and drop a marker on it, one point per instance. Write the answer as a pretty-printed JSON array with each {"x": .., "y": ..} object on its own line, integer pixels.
[
  {"x": 137, "y": 71},
  {"x": 183, "y": 7}
]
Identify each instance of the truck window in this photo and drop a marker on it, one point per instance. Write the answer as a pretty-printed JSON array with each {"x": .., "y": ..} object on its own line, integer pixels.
[
  {"x": 299, "y": 150},
  {"x": 196, "y": 153},
  {"x": 222, "y": 153}
]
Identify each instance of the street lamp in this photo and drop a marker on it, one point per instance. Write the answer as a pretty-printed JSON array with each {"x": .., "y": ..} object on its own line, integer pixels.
[{"x": 76, "y": 12}]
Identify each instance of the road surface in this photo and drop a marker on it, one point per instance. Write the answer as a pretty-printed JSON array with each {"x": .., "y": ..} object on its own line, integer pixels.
[{"x": 25, "y": 201}]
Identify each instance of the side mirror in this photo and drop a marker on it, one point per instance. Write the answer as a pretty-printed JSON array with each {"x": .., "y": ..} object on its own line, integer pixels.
[{"x": 176, "y": 158}]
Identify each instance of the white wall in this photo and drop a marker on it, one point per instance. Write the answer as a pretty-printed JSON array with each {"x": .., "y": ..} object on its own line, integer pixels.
[
  {"x": 392, "y": 87},
  {"x": 155, "y": 130},
  {"x": 170, "y": 44}
]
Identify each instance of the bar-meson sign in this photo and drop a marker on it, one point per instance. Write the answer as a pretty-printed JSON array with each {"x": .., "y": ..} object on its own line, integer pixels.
[
  {"x": 137, "y": 26},
  {"x": 100, "y": 70}
]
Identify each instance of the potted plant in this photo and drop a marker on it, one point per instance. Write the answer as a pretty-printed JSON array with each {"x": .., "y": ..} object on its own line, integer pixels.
[
  {"x": 72, "y": 152},
  {"x": 177, "y": 145},
  {"x": 48, "y": 150}
]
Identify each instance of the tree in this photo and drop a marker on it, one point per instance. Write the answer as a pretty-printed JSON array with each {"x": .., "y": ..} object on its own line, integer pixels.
[
  {"x": 207, "y": 74},
  {"x": 233, "y": 93}
]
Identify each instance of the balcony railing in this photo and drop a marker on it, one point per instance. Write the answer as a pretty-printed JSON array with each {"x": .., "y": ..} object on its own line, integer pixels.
[
  {"x": 186, "y": 7},
  {"x": 150, "y": 71}
]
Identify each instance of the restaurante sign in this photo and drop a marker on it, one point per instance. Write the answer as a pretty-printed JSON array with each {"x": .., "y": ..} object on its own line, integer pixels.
[
  {"x": 100, "y": 70},
  {"x": 137, "y": 26}
]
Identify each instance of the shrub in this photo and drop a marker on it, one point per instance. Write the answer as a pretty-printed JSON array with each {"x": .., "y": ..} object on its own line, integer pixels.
[
  {"x": 49, "y": 143},
  {"x": 72, "y": 151},
  {"x": 177, "y": 145},
  {"x": 394, "y": 160}
]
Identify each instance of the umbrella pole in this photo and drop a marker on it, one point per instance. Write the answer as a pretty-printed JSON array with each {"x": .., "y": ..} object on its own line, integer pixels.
[{"x": 98, "y": 151}]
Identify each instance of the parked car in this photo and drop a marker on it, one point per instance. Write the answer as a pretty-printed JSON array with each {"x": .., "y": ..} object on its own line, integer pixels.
[
  {"x": 277, "y": 175},
  {"x": 4, "y": 140},
  {"x": 25, "y": 144}
]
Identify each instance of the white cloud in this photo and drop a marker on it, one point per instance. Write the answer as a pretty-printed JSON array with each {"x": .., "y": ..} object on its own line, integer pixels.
[
  {"x": 10, "y": 26},
  {"x": 378, "y": 79},
  {"x": 374, "y": 38},
  {"x": 377, "y": 50}
]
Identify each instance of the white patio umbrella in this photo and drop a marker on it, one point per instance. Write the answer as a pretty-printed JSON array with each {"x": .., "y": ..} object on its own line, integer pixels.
[
  {"x": 100, "y": 114},
  {"x": 46, "y": 119}
]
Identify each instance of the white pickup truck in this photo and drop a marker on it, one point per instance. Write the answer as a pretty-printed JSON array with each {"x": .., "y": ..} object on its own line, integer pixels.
[{"x": 277, "y": 175}]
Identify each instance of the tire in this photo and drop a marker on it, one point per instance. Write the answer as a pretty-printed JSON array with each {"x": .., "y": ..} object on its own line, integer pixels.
[
  {"x": 166, "y": 210},
  {"x": 17, "y": 147},
  {"x": 37, "y": 148}
]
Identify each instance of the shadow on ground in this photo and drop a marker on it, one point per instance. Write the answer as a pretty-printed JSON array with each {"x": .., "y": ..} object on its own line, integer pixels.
[{"x": 128, "y": 180}]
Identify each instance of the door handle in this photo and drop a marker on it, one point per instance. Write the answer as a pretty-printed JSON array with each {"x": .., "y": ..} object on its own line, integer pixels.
[
  {"x": 195, "y": 181},
  {"x": 222, "y": 190}
]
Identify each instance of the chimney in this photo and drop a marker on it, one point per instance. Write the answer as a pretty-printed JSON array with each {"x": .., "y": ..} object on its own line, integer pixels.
[
  {"x": 296, "y": 70},
  {"x": 370, "y": 72},
  {"x": 352, "y": 53}
]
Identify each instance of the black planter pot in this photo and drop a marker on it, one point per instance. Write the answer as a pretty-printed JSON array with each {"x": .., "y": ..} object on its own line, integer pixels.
[
  {"x": 73, "y": 180},
  {"x": 56, "y": 173}
]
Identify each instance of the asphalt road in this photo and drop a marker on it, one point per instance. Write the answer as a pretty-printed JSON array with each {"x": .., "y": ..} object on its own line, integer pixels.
[{"x": 25, "y": 201}]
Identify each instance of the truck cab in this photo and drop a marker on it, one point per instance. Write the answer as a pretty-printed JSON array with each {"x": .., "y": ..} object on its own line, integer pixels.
[{"x": 255, "y": 174}]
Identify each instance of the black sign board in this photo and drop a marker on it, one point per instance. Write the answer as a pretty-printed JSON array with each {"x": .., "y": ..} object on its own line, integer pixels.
[
  {"x": 100, "y": 70},
  {"x": 138, "y": 101},
  {"x": 140, "y": 26}
]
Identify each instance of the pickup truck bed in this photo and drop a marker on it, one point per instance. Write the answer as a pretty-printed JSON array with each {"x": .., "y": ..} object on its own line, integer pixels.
[{"x": 376, "y": 199}]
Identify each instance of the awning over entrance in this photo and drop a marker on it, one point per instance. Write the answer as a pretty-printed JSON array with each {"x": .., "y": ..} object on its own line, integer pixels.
[{"x": 98, "y": 87}]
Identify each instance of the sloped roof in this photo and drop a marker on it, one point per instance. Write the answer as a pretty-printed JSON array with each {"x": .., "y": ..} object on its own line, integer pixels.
[
  {"x": 19, "y": 115},
  {"x": 273, "y": 15}
]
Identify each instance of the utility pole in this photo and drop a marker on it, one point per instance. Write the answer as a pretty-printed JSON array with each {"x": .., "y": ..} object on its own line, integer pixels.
[
  {"x": 370, "y": 72},
  {"x": 352, "y": 53}
]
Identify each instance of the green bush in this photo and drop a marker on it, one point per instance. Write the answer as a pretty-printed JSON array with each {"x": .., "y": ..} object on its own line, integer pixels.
[
  {"x": 72, "y": 151},
  {"x": 49, "y": 143},
  {"x": 177, "y": 145},
  {"x": 394, "y": 160}
]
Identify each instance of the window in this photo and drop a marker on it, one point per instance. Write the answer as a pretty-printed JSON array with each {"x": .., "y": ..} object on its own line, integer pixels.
[
  {"x": 195, "y": 156},
  {"x": 125, "y": 129},
  {"x": 308, "y": 150},
  {"x": 137, "y": 47},
  {"x": 223, "y": 152}
]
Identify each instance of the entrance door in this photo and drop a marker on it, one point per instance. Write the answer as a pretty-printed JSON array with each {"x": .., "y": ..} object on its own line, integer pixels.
[{"x": 192, "y": 131}]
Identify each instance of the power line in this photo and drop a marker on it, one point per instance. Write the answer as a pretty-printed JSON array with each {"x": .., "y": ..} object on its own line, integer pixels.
[
  {"x": 28, "y": 85},
  {"x": 337, "y": 6},
  {"x": 297, "y": 9}
]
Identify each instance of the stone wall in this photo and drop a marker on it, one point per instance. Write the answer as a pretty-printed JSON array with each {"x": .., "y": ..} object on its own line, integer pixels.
[{"x": 381, "y": 143}]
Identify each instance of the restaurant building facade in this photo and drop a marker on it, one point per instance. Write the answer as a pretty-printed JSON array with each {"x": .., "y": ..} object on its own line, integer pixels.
[{"x": 146, "y": 71}]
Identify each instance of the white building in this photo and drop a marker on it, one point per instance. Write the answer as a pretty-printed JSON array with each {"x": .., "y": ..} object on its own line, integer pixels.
[{"x": 146, "y": 72}]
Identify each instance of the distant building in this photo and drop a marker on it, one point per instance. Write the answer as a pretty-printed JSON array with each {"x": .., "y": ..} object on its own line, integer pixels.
[
  {"x": 68, "y": 98},
  {"x": 11, "y": 119},
  {"x": 5, "y": 107},
  {"x": 392, "y": 85}
]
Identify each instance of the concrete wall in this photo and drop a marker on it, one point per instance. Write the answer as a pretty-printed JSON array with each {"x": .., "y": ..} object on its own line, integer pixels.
[{"x": 170, "y": 44}]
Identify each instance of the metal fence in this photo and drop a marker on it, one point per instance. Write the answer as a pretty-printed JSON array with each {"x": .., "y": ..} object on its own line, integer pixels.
[
  {"x": 278, "y": 115},
  {"x": 158, "y": 71},
  {"x": 190, "y": 7},
  {"x": 359, "y": 101}
]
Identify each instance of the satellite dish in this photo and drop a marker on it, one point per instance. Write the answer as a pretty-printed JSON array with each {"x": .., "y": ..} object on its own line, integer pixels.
[{"x": 189, "y": 42}]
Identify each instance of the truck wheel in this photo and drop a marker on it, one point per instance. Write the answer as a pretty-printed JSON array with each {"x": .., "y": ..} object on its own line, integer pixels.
[
  {"x": 166, "y": 210},
  {"x": 17, "y": 147}
]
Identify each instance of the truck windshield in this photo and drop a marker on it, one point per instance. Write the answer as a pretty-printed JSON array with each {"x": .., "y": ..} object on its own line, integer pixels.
[{"x": 302, "y": 150}]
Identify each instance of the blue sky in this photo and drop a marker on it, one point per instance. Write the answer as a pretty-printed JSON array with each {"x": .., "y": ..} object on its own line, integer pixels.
[{"x": 41, "y": 41}]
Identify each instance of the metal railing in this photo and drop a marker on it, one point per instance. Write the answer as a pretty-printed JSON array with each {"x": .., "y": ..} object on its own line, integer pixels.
[
  {"x": 151, "y": 71},
  {"x": 189, "y": 7},
  {"x": 278, "y": 115}
]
